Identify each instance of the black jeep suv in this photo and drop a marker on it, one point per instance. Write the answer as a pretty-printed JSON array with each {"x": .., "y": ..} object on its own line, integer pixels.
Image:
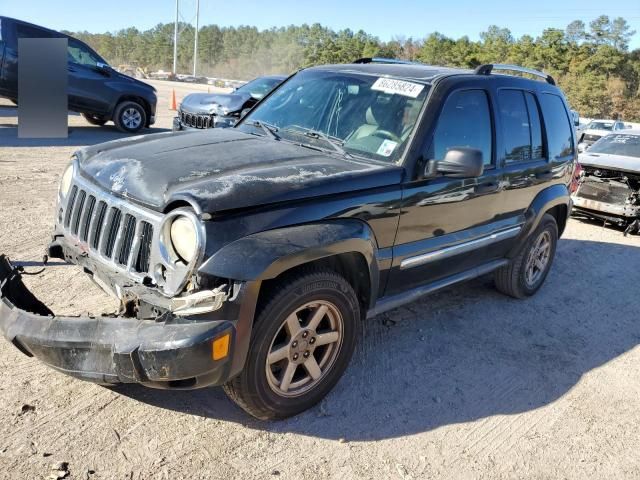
[
  {"x": 247, "y": 257},
  {"x": 95, "y": 90}
]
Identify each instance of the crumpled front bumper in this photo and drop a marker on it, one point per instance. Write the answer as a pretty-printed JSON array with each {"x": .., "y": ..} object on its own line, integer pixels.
[{"x": 162, "y": 354}]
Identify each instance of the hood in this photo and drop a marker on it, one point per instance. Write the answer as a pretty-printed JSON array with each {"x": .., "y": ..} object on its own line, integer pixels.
[
  {"x": 135, "y": 81},
  {"x": 612, "y": 162},
  {"x": 222, "y": 169},
  {"x": 217, "y": 103}
]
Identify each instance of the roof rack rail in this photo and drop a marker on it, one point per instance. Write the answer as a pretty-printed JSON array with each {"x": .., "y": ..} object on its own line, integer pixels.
[
  {"x": 489, "y": 67},
  {"x": 384, "y": 60}
]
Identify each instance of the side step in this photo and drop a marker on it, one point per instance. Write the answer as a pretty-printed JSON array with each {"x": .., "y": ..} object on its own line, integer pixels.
[{"x": 389, "y": 303}]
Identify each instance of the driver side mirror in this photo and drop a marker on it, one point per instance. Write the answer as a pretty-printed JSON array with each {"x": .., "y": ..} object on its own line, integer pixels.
[
  {"x": 103, "y": 68},
  {"x": 459, "y": 162}
]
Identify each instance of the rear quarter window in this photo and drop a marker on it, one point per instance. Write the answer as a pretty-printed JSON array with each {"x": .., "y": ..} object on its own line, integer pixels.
[{"x": 557, "y": 126}]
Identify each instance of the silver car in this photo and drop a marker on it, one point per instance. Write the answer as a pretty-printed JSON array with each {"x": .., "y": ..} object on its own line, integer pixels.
[{"x": 610, "y": 180}]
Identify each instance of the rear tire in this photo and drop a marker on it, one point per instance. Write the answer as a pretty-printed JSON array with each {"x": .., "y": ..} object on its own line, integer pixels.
[
  {"x": 129, "y": 117},
  {"x": 303, "y": 336},
  {"x": 94, "y": 119},
  {"x": 527, "y": 271}
]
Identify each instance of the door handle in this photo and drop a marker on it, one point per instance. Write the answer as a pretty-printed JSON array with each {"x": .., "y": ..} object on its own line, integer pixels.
[{"x": 486, "y": 187}]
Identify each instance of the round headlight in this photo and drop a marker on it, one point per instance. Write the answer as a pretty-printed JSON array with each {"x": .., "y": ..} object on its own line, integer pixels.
[
  {"x": 184, "y": 238},
  {"x": 65, "y": 182}
]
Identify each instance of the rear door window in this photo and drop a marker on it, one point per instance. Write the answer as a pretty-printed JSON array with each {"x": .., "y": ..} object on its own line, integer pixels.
[
  {"x": 521, "y": 131},
  {"x": 465, "y": 121},
  {"x": 557, "y": 126}
]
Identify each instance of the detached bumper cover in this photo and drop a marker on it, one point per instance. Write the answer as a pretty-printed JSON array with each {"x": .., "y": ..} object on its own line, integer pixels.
[{"x": 112, "y": 349}]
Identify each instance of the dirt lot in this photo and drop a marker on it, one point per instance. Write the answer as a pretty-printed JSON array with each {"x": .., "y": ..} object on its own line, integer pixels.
[{"x": 466, "y": 383}]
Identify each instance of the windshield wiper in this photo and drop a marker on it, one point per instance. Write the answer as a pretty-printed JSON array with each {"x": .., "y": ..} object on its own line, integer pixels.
[
  {"x": 269, "y": 129},
  {"x": 336, "y": 145}
]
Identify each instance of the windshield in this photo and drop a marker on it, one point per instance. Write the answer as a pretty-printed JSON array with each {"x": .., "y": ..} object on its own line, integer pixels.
[
  {"x": 601, "y": 126},
  {"x": 618, "y": 144},
  {"x": 362, "y": 115},
  {"x": 259, "y": 87}
]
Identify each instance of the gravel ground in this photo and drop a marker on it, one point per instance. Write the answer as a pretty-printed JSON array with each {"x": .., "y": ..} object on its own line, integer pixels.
[{"x": 466, "y": 383}]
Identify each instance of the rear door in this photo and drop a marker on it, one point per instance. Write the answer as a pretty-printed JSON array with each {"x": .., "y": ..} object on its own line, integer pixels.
[
  {"x": 446, "y": 223},
  {"x": 537, "y": 136}
]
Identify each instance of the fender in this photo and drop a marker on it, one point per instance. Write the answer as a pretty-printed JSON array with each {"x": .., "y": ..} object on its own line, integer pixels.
[
  {"x": 544, "y": 201},
  {"x": 265, "y": 255}
]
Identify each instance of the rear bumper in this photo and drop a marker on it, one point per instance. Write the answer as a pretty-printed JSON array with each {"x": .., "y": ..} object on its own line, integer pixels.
[{"x": 107, "y": 350}]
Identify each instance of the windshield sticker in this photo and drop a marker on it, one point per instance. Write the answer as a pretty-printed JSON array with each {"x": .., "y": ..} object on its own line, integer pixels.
[
  {"x": 387, "y": 147},
  {"x": 620, "y": 139},
  {"x": 392, "y": 86}
]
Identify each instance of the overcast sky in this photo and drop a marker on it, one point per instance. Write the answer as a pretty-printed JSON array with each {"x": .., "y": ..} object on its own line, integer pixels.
[{"x": 384, "y": 19}]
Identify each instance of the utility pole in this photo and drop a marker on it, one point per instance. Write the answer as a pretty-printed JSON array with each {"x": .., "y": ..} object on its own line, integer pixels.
[
  {"x": 175, "y": 43},
  {"x": 195, "y": 46}
]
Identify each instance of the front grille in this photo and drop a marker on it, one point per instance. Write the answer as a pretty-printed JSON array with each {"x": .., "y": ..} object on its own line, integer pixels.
[
  {"x": 196, "y": 120},
  {"x": 109, "y": 229}
]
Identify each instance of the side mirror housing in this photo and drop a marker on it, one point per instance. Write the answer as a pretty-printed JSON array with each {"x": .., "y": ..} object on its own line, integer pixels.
[
  {"x": 459, "y": 162},
  {"x": 103, "y": 68}
]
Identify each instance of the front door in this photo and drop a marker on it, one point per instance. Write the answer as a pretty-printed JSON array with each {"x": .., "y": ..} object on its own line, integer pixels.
[
  {"x": 449, "y": 225},
  {"x": 88, "y": 90}
]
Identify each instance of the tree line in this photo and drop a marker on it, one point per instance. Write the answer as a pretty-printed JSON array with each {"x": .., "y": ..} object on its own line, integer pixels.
[{"x": 591, "y": 63}]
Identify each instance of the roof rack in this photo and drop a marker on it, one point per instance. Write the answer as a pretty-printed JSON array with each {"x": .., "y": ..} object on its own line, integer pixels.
[
  {"x": 384, "y": 60},
  {"x": 489, "y": 67}
]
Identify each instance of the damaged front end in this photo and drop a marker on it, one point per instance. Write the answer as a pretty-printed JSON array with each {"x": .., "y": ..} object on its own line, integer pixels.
[
  {"x": 165, "y": 352},
  {"x": 609, "y": 195}
]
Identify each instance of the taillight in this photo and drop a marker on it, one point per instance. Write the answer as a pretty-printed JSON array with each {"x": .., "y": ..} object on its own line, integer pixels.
[{"x": 575, "y": 178}]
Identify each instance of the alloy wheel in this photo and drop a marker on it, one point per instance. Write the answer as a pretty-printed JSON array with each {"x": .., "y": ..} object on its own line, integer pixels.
[
  {"x": 538, "y": 258},
  {"x": 304, "y": 348},
  {"x": 131, "y": 118}
]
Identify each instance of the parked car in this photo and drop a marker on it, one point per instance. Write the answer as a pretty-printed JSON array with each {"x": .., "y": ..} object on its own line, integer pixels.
[
  {"x": 96, "y": 90},
  {"x": 247, "y": 257},
  {"x": 610, "y": 185},
  {"x": 595, "y": 130},
  {"x": 207, "y": 110}
]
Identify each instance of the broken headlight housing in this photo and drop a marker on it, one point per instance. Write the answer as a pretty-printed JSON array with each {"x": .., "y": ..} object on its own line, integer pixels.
[
  {"x": 181, "y": 238},
  {"x": 184, "y": 237}
]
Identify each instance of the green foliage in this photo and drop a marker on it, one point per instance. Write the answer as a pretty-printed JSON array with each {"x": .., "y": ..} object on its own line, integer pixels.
[{"x": 600, "y": 77}]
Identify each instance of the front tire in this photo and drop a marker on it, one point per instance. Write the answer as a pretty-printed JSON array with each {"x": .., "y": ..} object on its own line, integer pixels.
[
  {"x": 527, "y": 271},
  {"x": 302, "y": 342},
  {"x": 129, "y": 117}
]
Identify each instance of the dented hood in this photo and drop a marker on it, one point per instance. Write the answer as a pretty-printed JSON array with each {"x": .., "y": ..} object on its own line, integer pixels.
[
  {"x": 214, "y": 103},
  {"x": 222, "y": 169}
]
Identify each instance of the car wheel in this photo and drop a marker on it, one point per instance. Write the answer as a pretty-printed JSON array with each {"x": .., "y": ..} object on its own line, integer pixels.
[
  {"x": 94, "y": 119},
  {"x": 129, "y": 117},
  {"x": 526, "y": 272},
  {"x": 301, "y": 344}
]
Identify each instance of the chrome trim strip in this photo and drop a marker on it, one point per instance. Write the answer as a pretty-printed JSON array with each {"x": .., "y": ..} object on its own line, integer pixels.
[{"x": 460, "y": 248}]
